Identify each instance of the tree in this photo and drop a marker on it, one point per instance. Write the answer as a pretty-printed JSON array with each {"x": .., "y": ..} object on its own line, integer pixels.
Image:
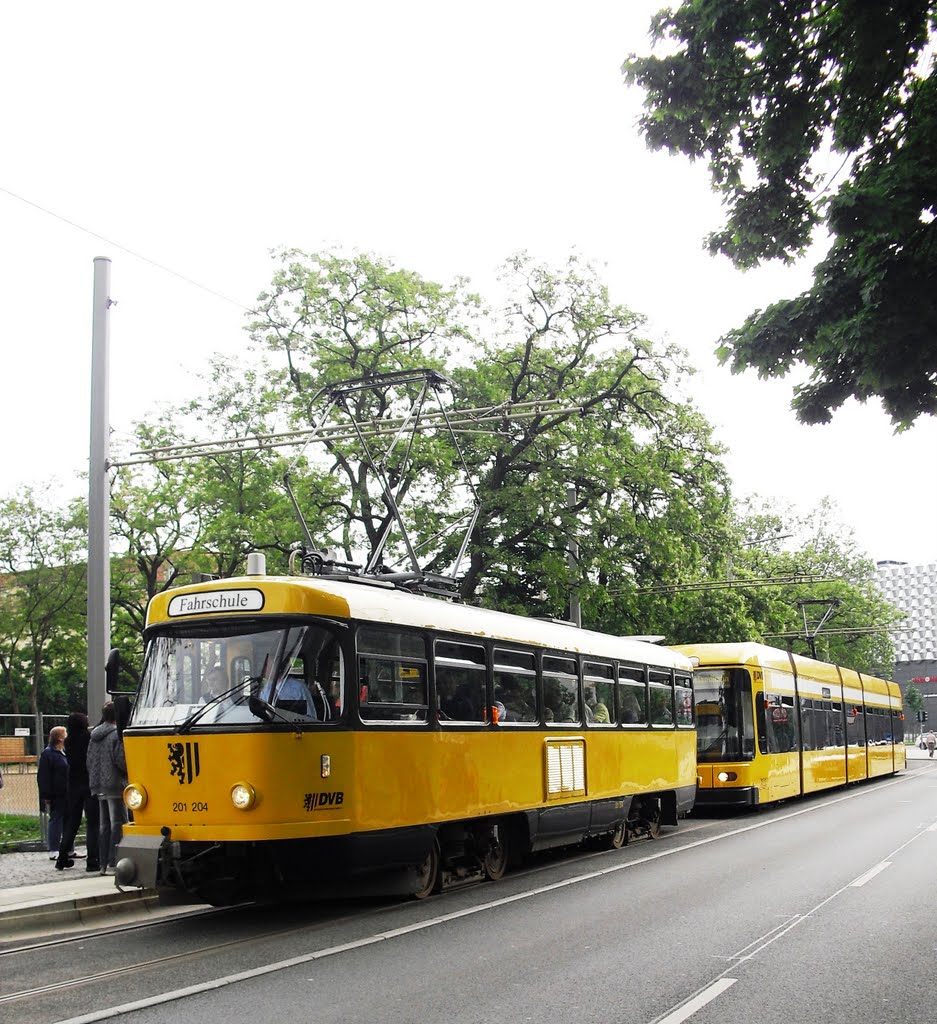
[
  {"x": 913, "y": 701},
  {"x": 337, "y": 318},
  {"x": 775, "y": 542},
  {"x": 176, "y": 520},
  {"x": 650, "y": 491},
  {"x": 42, "y": 601},
  {"x": 763, "y": 90}
]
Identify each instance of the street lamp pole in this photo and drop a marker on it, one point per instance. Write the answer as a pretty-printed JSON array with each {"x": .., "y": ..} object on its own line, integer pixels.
[{"x": 99, "y": 563}]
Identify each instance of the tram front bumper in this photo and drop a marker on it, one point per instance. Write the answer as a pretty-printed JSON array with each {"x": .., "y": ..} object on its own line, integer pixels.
[
  {"x": 138, "y": 861},
  {"x": 742, "y": 796}
]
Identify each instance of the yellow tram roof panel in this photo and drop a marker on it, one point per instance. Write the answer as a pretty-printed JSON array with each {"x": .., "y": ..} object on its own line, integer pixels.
[
  {"x": 376, "y": 603},
  {"x": 763, "y": 656},
  {"x": 244, "y": 594}
]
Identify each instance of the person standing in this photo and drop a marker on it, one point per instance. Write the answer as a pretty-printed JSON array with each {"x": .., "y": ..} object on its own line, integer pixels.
[
  {"x": 107, "y": 777},
  {"x": 931, "y": 741},
  {"x": 80, "y": 800},
  {"x": 53, "y": 787}
]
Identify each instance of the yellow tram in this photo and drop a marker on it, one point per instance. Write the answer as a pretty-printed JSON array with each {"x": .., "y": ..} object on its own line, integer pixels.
[
  {"x": 773, "y": 725},
  {"x": 297, "y": 735}
]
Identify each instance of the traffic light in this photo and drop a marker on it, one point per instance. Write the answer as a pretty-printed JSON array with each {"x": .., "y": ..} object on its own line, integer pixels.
[{"x": 923, "y": 716}]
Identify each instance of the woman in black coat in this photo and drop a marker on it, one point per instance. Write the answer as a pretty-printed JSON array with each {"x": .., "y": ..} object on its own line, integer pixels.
[{"x": 80, "y": 799}]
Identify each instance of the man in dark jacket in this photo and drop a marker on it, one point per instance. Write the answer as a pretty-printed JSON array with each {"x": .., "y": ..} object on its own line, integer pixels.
[
  {"x": 53, "y": 786},
  {"x": 80, "y": 800},
  {"x": 107, "y": 777}
]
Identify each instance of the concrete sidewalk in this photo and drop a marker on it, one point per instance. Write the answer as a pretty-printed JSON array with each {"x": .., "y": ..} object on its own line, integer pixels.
[
  {"x": 37, "y": 901},
  {"x": 54, "y": 907}
]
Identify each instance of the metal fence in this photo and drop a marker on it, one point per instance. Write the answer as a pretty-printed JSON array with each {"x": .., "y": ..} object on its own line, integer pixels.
[{"x": 22, "y": 739}]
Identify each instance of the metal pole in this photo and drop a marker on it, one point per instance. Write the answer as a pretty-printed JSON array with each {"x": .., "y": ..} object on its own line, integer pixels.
[{"x": 99, "y": 563}]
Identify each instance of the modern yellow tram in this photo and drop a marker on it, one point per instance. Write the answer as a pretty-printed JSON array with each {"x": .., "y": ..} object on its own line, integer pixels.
[
  {"x": 773, "y": 725},
  {"x": 303, "y": 735}
]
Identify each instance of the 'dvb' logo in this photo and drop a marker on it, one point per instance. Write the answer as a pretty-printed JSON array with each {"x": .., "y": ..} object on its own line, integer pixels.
[{"x": 183, "y": 761}]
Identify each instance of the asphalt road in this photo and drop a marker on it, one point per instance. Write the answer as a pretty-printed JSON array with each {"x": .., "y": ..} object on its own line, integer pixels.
[{"x": 819, "y": 910}]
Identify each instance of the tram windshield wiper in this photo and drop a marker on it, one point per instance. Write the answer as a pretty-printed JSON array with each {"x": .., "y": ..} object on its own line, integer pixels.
[
  {"x": 210, "y": 703},
  {"x": 265, "y": 711}
]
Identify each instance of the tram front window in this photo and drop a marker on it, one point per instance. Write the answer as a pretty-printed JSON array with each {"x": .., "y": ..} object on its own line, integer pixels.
[
  {"x": 724, "y": 718},
  {"x": 210, "y": 676}
]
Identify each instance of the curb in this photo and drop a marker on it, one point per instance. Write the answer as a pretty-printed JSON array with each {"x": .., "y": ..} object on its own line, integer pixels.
[{"x": 52, "y": 913}]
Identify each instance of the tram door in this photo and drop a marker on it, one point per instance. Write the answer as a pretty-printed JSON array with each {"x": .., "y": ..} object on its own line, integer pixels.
[{"x": 778, "y": 741}]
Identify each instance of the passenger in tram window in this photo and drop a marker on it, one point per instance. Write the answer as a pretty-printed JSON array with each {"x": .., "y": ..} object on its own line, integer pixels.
[
  {"x": 453, "y": 703},
  {"x": 513, "y": 697},
  {"x": 630, "y": 712},
  {"x": 596, "y": 711}
]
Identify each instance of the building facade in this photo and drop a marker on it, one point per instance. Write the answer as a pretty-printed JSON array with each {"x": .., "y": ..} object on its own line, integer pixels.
[{"x": 913, "y": 589}]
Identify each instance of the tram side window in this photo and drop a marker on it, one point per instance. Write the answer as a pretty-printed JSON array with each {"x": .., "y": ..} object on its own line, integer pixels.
[
  {"x": 837, "y": 739},
  {"x": 632, "y": 696},
  {"x": 683, "y": 694},
  {"x": 897, "y": 726},
  {"x": 876, "y": 719},
  {"x": 391, "y": 676},
  {"x": 560, "y": 689},
  {"x": 822, "y": 724},
  {"x": 328, "y": 683},
  {"x": 598, "y": 687},
  {"x": 855, "y": 734},
  {"x": 807, "y": 732},
  {"x": 660, "y": 690},
  {"x": 460, "y": 682},
  {"x": 515, "y": 679},
  {"x": 777, "y": 723}
]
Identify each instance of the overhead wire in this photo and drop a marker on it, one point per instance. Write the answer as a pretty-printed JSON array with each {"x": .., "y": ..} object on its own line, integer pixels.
[{"x": 130, "y": 252}]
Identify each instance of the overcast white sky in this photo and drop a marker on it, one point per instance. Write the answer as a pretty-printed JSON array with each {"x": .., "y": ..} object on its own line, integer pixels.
[{"x": 444, "y": 137}]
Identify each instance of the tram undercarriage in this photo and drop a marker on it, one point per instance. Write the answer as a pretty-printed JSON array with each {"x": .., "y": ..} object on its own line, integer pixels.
[{"x": 417, "y": 861}]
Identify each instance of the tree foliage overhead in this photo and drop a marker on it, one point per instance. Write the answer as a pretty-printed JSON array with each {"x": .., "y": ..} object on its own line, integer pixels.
[
  {"x": 334, "y": 318},
  {"x": 650, "y": 491},
  {"x": 627, "y": 470},
  {"x": 763, "y": 90}
]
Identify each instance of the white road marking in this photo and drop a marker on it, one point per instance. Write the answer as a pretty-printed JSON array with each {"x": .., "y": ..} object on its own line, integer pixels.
[
  {"x": 871, "y": 873},
  {"x": 698, "y": 1001}
]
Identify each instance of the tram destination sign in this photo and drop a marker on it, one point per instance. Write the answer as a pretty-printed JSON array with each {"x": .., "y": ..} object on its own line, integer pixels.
[{"x": 207, "y": 601}]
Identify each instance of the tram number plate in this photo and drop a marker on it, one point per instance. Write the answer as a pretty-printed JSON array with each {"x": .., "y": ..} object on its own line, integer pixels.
[{"x": 183, "y": 808}]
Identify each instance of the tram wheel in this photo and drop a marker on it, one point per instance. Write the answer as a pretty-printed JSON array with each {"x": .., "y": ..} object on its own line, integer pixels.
[
  {"x": 497, "y": 860},
  {"x": 428, "y": 878},
  {"x": 619, "y": 838},
  {"x": 653, "y": 824}
]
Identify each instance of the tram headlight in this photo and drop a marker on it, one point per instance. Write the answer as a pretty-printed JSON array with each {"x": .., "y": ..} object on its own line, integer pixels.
[
  {"x": 135, "y": 797},
  {"x": 727, "y": 776},
  {"x": 243, "y": 796}
]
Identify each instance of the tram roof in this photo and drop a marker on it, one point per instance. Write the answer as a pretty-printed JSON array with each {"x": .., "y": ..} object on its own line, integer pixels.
[
  {"x": 384, "y": 604},
  {"x": 751, "y": 653}
]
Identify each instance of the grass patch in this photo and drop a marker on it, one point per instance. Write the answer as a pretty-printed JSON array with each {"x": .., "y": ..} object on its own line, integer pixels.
[{"x": 17, "y": 828}]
